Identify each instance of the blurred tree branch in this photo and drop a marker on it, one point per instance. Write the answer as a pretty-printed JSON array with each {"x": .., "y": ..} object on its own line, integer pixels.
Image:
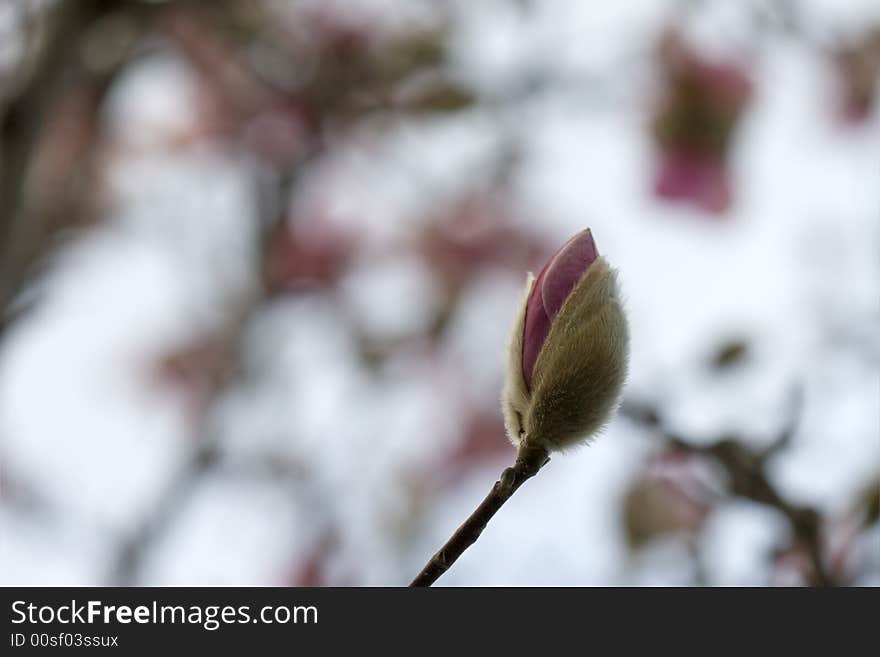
[
  {"x": 747, "y": 477},
  {"x": 60, "y": 80}
]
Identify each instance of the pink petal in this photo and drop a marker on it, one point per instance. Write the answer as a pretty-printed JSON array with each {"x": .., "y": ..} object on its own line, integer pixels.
[
  {"x": 566, "y": 269},
  {"x": 537, "y": 327},
  {"x": 555, "y": 282}
]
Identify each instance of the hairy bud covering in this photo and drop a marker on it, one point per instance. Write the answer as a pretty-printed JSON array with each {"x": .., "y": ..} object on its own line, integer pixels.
[{"x": 568, "y": 350}]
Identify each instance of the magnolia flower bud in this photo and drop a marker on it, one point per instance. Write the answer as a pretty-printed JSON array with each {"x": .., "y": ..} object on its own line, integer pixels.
[{"x": 567, "y": 356}]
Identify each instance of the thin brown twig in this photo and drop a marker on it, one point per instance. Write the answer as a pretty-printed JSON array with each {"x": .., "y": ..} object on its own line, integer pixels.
[{"x": 528, "y": 462}]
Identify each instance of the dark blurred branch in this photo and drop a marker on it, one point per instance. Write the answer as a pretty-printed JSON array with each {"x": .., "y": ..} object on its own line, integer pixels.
[
  {"x": 136, "y": 545},
  {"x": 528, "y": 463},
  {"x": 203, "y": 460},
  {"x": 22, "y": 120},
  {"x": 28, "y": 226},
  {"x": 746, "y": 470},
  {"x": 59, "y": 72}
]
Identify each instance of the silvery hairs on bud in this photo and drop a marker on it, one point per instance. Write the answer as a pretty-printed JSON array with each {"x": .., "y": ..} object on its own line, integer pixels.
[{"x": 566, "y": 367}]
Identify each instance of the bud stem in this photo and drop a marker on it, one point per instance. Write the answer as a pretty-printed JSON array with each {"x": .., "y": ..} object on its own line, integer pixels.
[{"x": 529, "y": 460}]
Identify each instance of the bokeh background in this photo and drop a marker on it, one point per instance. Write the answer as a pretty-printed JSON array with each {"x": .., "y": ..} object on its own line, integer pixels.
[{"x": 258, "y": 262}]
